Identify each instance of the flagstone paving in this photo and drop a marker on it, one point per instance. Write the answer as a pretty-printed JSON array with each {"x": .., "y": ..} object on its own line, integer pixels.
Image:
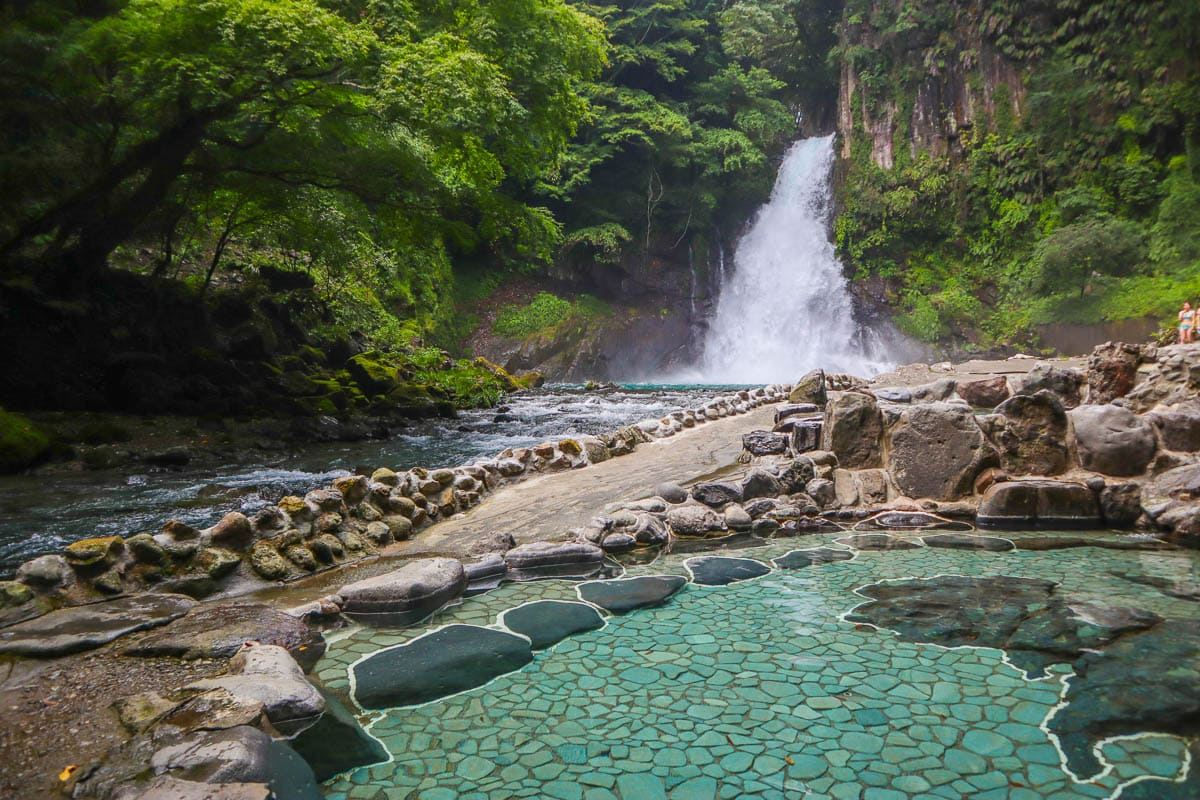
[{"x": 762, "y": 688}]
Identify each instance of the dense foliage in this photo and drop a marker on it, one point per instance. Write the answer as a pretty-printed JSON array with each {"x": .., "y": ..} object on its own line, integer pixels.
[
  {"x": 364, "y": 138},
  {"x": 1073, "y": 197}
]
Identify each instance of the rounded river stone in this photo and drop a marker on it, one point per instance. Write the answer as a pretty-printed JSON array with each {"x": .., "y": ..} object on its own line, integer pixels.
[
  {"x": 548, "y": 622},
  {"x": 719, "y": 570},
  {"x": 626, "y": 595},
  {"x": 450, "y": 660}
]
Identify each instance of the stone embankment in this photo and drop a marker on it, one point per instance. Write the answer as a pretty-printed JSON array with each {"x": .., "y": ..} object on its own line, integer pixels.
[{"x": 1115, "y": 444}]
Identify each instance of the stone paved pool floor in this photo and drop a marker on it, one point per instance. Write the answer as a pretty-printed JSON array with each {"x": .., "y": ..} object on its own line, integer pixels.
[{"x": 760, "y": 688}]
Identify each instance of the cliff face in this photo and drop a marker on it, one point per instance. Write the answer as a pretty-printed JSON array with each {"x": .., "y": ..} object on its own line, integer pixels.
[{"x": 907, "y": 85}]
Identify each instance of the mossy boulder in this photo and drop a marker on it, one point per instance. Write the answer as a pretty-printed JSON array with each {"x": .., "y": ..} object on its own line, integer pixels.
[
  {"x": 93, "y": 552},
  {"x": 372, "y": 373},
  {"x": 22, "y": 444},
  {"x": 14, "y": 593},
  {"x": 268, "y": 563}
]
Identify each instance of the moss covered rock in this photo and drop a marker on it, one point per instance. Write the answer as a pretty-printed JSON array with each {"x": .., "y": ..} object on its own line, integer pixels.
[
  {"x": 91, "y": 552},
  {"x": 21, "y": 443},
  {"x": 372, "y": 373},
  {"x": 14, "y": 593}
]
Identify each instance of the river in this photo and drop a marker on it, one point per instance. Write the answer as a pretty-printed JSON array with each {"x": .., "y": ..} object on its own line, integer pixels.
[{"x": 41, "y": 513}]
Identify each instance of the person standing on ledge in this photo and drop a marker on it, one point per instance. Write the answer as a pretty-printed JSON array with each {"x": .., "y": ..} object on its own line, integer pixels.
[{"x": 1187, "y": 324}]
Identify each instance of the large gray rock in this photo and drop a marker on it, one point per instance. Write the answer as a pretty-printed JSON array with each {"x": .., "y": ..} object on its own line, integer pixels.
[
  {"x": 810, "y": 389},
  {"x": 760, "y": 483},
  {"x": 269, "y": 675},
  {"x": 693, "y": 520},
  {"x": 1112, "y": 371},
  {"x": 805, "y": 434},
  {"x": 985, "y": 393},
  {"x": 1063, "y": 382},
  {"x": 46, "y": 573},
  {"x": 717, "y": 493},
  {"x": 419, "y": 586},
  {"x": 1031, "y": 434},
  {"x": 538, "y": 555},
  {"x": 1121, "y": 504},
  {"x": 1112, "y": 440},
  {"x": 765, "y": 443},
  {"x": 1179, "y": 426},
  {"x": 167, "y": 787},
  {"x": 78, "y": 628},
  {"x": 936, "y": 450},
  {"x": 1014, "y": 504},
  {"x": 852, "y": 430},
  {"x": 936, "y": 392},
  {"x": 219, "y": 631}
]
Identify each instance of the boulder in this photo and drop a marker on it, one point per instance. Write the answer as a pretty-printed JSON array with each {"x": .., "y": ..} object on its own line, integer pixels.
[
  {"x": 765, "y": 443},
  {"x": 1112, "y": 440},
  {"x": 736, "y": 518},
  {"x": 893, "y": 394},
  {"x": 417, "y": 588},
  {"x": 650, "y": 530},
  {"x": 822, "y": 491},
  {"x": 810, "y": 389},
  {"x": 852, "y": 430},
  {"x": 717, "y": 493},
  {"x": 1014, "y": 504},
  {"x": 621, "y": 596},
  {"x": 760, "y": 483},
  {"x": 805, "y": 434},
  {"x": 1178, "y": 426},
  {"x": 219, "y": 631},
  {"x": 537, "y": 555},
  {"x": 671, "y": 492},
  {"x": 845, "y": 487},
  {"x": 46, "y": 573},
  {"x": 1112, "y": 371},
  {"x": 796, "y": 475},
  {"x": 985, "y": 393},
  {"x": 94, "y": 554},
  {"x": 618, "y": 543},
  {"x": 269, "y": 675},
  {"x": 548, "y": 622},
  {"x": 1031, "y": 434},
  {"x": 872, "y": 486},
  {"x": 693, "y": 520},
  {"x": 1063, "y": 382},
  {"x": 936, "y": 450},
  {"x": 937, "y": 392},
  {"x": 1121, "y": 504}
]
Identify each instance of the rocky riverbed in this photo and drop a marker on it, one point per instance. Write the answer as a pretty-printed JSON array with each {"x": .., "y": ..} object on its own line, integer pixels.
[{"x": 1107, "y": 444}]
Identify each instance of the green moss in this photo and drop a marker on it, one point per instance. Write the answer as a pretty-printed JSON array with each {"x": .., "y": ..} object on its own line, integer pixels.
[
  {"x": 21, "y": 442},
  {"x": 547, "y": 313}
]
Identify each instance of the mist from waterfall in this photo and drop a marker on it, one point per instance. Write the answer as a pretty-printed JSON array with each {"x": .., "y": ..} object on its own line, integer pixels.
[{"x": 784, "y": 308}]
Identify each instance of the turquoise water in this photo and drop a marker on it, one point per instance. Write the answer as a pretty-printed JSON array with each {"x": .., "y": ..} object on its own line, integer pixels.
[{"x": 761, "y": 689}]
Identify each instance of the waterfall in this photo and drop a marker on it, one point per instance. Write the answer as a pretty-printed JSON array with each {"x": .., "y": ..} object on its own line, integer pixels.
[{"x": 784, "y": 308}]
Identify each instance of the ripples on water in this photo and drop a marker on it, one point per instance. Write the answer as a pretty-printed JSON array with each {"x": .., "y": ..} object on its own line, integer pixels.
[{"x": 40, "y": 514}]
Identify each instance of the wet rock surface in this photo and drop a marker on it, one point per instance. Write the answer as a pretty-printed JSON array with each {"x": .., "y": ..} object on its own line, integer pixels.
[
  {"x": 548, "y": 622},
  {"x": 449, "y": 660},
  {"x": 962, "y": 541},
  {"x": 219, "y": 631},
  {"x": 798, "y": 559},
  {"x": 721, "y": 571},
  {"x": 621, "y": 596},
  {"x": 71, "y": 630}
]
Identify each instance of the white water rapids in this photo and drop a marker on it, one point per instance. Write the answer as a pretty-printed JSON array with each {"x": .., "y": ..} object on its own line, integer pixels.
[{"x": 785, "y": 308}]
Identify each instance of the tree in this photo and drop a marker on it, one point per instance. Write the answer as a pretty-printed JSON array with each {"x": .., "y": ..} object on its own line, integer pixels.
[{"x": 1101, "y": 244}]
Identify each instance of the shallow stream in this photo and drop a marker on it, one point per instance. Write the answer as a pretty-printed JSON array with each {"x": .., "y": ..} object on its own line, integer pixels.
[
  {"x": 762, "y": 688},
  {"x": 42, "y": 513}
]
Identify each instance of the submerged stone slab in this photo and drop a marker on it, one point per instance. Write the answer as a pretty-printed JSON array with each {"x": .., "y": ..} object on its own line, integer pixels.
[
  {"x": 337, "y": 743},
  {"x": 876, "y": 541},
  {"x": 962, "y": 541},
  {"x": 446, "y": 661},
  {"x": 554, "y": 559},
  {"x": 909, "y": 520},
  {"x": 798, "y": 559},
  {"x": 79, "y": 628},
  {"x": 720, "y": 570},
  {"x": 1023, "y": 616},
  {"x": 548, "y": 622},
  {"x": 620, "y": 596},
  {"x": 1149, "y": 682}
]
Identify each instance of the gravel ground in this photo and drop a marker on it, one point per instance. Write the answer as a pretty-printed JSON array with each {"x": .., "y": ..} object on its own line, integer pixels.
[{"x": 57, "y": 713}]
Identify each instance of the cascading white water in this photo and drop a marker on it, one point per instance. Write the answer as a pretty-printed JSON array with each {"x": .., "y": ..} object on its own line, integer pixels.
[{"x": 785, "y": 308}]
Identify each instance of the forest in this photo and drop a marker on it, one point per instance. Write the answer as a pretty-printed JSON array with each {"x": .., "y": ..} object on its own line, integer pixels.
[{"x": 308, "y": 181}]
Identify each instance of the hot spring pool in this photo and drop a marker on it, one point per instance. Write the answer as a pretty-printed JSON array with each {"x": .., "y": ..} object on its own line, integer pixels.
[{"x": 765, "y": 688}]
